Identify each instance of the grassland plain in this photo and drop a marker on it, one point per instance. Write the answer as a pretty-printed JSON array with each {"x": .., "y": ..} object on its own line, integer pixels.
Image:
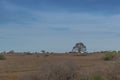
[{"x": 17, "y": 66}]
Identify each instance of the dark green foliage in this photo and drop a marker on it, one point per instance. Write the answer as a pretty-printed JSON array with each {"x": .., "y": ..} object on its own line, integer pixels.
[
  {"x": 79, "y": 47},
  {"x": 2, "y": 57}
]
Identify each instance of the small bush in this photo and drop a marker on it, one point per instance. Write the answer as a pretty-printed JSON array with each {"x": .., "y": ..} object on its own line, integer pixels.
[
  {"x": 110, "y": 56},
  {"x": 81, "y": 54},
  {"x": 97, "y": 77},
  {"x": 28, "y": 53},
  {"x": 2, "y": 57},
  {"x": 55, "y": 72},
  {"x": 46, "y": 55},
  {"x": 92, "y": 77}
]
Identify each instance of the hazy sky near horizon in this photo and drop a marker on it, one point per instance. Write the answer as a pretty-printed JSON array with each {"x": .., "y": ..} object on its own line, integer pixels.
[{"x": 56, "y": 25}]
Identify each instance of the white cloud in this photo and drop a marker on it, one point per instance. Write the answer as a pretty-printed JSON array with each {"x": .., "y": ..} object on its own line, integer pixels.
[
  {"x": 77, "y": 21},
  {"x": 84, "y": 24}
]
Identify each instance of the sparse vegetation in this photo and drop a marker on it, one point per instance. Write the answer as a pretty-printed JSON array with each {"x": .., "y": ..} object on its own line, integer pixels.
[
  {"x": 60, "y": 66},
  {"x": 2, "y": 57},
  {"x": 111, "y": 56},
  {"x": 80, "y": 54},
  {"x": 113, "y": 72},
  {"x": 56, "y": 72},
  {"x": 97, "y": 77}
]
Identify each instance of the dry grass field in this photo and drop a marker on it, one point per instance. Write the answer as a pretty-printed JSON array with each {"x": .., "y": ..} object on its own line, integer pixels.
[{"x": 17, "y": 66}]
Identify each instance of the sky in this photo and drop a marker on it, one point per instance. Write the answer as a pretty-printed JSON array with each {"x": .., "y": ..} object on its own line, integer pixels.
[{"x": 56, "y": 25}]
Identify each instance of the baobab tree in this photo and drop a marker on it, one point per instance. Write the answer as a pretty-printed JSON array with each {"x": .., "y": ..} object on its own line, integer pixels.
[{"x": 79, "y": 47}]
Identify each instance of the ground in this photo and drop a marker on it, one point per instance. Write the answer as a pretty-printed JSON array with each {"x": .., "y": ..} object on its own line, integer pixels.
[{"x": 18, "y": 65}]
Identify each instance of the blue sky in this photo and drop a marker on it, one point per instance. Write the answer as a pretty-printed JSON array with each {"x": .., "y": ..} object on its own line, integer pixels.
[{"x": 56, "y": 25}]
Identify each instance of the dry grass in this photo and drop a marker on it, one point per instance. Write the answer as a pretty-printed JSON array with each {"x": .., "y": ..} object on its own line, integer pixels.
[
  {"x": 60, "y": 71},
  {"x": 111, "y": 56},
  {"x": 17, "y": 66},
  {"x": 113, "y": 72}
]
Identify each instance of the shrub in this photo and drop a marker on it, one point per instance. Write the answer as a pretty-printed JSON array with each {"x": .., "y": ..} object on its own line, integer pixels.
[
  {"x": 55, "y": 72},
  {"x": 2, "y": 57},
  {"x": 110, "y": 56},
  {"x": 46, "y": 55},
  {"x": 92, "y": 77},
  {"x": 113, "y": 72},
  {"x": 97, "y": 77},
  {"x": 84, "y": 54},
  {"x": 62, "y": 72}
]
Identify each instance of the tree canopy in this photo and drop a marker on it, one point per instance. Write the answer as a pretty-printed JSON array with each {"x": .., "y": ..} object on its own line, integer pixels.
[{"x": 79, "y": 47}]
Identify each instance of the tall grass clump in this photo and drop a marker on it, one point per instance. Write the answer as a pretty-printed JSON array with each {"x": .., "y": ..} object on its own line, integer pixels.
[
  {"x": 113, "y": 72},
  {"x": 2, "y": 57},
  {"x": 111, "y": 56},
  {"x": 97, "y": 77}
]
